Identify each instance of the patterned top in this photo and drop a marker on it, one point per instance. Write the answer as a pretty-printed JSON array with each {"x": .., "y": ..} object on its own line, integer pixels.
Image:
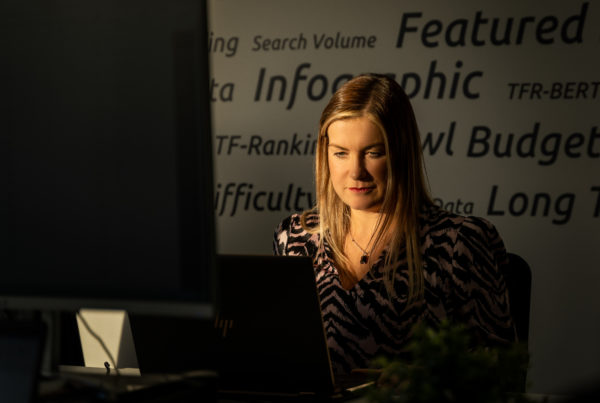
[{"x": 463, "y": 283}]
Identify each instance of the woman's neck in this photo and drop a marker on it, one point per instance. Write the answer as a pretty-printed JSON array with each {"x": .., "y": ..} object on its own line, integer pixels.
[
  {"x": 364, "y": 224},
  {"x": 359, "y": 246}
]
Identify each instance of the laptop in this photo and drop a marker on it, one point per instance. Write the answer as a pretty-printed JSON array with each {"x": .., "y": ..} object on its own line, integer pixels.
[{"x": 267, "y": 337}]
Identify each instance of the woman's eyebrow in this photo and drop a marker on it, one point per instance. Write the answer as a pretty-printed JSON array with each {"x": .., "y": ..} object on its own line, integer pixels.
[
  {"x": 374, "y": 145},
  {"x": 336, "y": 146}
]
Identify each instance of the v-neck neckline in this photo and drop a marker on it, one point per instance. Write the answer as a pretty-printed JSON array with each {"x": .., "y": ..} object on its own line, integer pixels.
[{"x": 373, "y": 270}]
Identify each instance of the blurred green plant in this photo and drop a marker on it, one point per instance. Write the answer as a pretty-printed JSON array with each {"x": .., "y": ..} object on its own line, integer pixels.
[{"x": 445, "y": 367}]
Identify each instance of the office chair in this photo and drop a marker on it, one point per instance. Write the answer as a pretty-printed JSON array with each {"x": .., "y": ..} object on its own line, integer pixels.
[{"x": 517, "y": 276}]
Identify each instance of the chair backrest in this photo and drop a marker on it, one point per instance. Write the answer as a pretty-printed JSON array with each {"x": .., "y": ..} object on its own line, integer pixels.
[{"x": 517, "y": 276}]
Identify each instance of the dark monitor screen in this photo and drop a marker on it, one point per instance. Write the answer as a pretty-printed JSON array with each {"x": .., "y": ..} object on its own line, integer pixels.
[{"x": 105, "y": 153}]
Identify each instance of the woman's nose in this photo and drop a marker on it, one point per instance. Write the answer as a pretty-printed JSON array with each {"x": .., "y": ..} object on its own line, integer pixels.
[{"x": 357, "y": 170}]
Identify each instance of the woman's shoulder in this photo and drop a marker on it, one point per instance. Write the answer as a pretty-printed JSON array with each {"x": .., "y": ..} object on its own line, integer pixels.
[
  {"x": 438, "y": 224},
  {"x": 467, "y": 235},
  {"x": 297, "y": 222},
  {"x": 294, "y": 233}
]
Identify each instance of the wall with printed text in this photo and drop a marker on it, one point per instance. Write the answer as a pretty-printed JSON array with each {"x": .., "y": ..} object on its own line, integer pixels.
[{"x": 507, "y": 96}]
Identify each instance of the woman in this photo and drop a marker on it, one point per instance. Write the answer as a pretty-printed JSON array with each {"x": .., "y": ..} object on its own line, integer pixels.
[{"x": 384, "y": 256}]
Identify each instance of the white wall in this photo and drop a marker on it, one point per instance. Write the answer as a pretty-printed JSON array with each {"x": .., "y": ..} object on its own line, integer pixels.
[{"x": 559, "y": 49}]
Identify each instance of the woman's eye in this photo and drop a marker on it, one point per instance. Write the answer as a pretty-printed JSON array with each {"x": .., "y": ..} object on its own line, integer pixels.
[
  {"x": 375, "y": 154},
  {"x": 339, "y": 154}
]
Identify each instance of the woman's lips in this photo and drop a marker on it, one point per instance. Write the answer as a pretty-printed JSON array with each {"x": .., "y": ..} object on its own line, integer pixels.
[{"x": 361, "y": 189}]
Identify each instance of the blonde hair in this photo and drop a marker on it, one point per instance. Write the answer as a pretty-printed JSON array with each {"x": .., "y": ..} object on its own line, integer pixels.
[{"x": 382, "y": 101}]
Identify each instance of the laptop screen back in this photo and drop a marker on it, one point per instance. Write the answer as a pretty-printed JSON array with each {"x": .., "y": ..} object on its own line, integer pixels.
[{"x": 268, "y": 333}]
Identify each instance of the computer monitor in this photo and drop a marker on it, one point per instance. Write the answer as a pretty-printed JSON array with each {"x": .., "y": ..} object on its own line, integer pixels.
[{"x": 106, "y": 171}]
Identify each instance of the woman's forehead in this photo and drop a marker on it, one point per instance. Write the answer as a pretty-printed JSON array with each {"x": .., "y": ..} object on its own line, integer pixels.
[{"x": 354, "y": 131}]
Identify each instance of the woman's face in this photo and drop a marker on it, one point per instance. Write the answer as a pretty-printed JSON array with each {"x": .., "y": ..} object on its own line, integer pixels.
[{"x": 357, "y": 163}]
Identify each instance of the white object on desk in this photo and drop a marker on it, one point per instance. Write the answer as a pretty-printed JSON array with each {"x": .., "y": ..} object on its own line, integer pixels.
[{"x": 112, "y": 327}]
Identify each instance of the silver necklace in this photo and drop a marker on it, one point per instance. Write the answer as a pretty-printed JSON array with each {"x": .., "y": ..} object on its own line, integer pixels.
[{"x": 365, "y": 256}]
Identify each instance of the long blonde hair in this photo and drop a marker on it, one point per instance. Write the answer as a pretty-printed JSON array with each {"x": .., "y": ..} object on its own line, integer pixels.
[{"x": 381, "y": 100}]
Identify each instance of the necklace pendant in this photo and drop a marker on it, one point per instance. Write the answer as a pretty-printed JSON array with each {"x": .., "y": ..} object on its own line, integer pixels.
[{"x": 364, "y": 259}]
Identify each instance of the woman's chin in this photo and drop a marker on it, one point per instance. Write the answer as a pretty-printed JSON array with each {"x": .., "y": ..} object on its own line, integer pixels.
[{"x": 364, "y": 205}]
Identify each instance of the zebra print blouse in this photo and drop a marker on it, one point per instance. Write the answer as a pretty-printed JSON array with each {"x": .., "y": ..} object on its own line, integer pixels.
[{"x": 463, "y": 283}]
